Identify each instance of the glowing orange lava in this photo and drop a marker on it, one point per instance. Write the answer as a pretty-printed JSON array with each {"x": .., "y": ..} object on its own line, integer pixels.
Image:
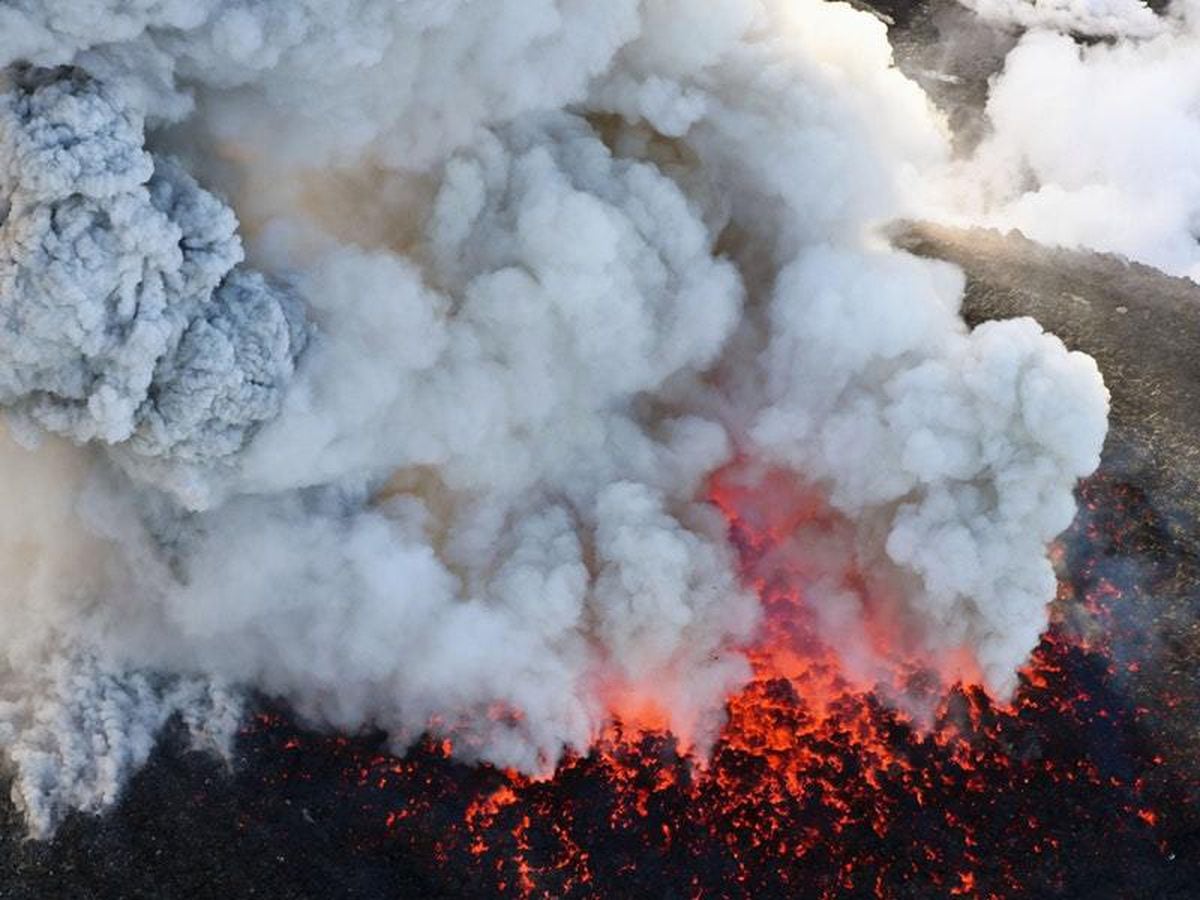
[{"x": 816, "y": 787}]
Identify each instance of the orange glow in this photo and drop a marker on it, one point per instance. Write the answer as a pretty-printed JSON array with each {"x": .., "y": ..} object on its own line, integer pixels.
[{"x": 816, "y": 785}]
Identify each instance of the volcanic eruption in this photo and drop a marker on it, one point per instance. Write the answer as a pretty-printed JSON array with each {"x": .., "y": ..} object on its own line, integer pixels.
[{"x": 517, "y": 438}]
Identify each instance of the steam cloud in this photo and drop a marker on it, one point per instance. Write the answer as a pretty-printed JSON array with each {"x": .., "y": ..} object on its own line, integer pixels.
[
  {"x": 1110, "y": 158},
  {"x": 524, "y": 275}
]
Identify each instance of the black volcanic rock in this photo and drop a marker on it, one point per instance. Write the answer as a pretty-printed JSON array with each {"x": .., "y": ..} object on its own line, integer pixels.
[{"x": 1143, "y": 329}]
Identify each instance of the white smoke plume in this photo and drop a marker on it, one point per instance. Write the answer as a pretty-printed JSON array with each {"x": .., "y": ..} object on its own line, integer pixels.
[
  {"x": 1089, "y": 18},
  {"x": 532, "y": 271},
  {"x": 1096, "y": 144}
]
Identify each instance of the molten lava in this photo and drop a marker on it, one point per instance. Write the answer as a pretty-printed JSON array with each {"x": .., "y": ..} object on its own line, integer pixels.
[{"x": 817, "y": 787}]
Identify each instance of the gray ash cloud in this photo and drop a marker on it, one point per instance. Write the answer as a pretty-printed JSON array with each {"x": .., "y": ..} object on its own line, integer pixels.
[{"x": 127, "y": 318}]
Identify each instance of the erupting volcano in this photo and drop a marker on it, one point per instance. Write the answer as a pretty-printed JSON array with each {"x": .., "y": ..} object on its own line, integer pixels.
[
  {"x": 817, "y": 786},
  {"x": 558, "y": 448},
  {"x": 1081, "y": 786}
]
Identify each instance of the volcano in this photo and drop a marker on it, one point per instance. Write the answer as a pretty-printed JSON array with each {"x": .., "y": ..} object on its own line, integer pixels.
[
  {"x": 1084, "y": 786},
  {"x": 563, "y": 432}
]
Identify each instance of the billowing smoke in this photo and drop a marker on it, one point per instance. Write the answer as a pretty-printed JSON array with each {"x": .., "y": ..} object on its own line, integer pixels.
[
  {"x": 1096, "y": 144},
  {"x": 526, "y": 274},
  {"x": 1091, "y": 19},
  {"x": 126, "y": 321}
]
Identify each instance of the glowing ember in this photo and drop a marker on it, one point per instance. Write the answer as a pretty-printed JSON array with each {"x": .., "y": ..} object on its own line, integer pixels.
[{"x": 817, "y": 787}]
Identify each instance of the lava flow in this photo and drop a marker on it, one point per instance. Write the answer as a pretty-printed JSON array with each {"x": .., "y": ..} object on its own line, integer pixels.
[{"x": 817, "y": 787}]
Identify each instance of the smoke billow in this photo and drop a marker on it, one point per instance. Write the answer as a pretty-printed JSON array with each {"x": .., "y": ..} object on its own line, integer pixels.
[
  {"x": 525, "y": 275},
  {"x": 1109, "y": 159},
  {"x": 126, "y": 321},
  {"x": 1096, "y": 19}
]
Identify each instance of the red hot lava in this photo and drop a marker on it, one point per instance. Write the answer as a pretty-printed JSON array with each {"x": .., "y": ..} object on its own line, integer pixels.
[{"x": 1080, "y": 787}]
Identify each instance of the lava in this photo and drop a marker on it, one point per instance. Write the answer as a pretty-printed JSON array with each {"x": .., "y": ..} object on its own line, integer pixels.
[{"x": 817, "y": 786}]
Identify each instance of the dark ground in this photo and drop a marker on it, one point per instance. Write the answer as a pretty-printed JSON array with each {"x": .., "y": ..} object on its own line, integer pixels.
[{"x": 1143, "y": 330}]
